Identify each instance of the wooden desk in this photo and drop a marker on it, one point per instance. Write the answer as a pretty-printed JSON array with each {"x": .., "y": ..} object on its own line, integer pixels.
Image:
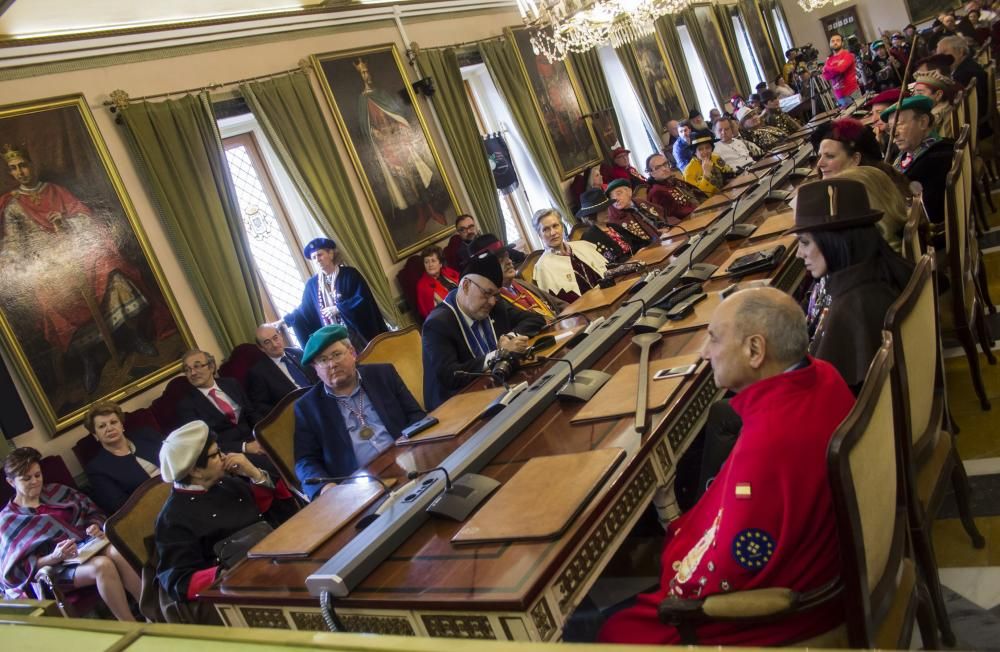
[{"x": 512, "y": 591}]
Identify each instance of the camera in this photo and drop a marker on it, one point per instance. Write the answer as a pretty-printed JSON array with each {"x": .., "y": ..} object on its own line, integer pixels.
[{"x": 504, "y": 365}]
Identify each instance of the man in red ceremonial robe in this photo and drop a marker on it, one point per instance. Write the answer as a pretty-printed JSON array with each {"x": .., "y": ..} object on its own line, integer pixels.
[
  {"x": 43, "y": 238},
  {"x": 767, "y": 518}
]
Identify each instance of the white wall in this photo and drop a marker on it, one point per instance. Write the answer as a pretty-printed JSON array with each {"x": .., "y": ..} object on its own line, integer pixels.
[{"x": 875, "y": 16}]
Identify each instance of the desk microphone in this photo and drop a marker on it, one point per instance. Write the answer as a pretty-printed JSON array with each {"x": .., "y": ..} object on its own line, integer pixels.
[
  {"x": 344, "y": 478},
  {"x": 583, "y": 384},
  {"x": 741, "y": 231},
  {"x": 775, "y": 195},
  {"x": 459, "y": 498},
  {"x": 698, "y": 273},
  {"x": 500, "y": 402},
  {"x": 648, "y": 322}
]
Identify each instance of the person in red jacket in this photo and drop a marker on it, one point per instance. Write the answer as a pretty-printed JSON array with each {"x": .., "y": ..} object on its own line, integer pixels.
[
  {"x": 767, "y": 519},
  {"x": 438, "y": 280},
  {"x": 841, "y": 72}
]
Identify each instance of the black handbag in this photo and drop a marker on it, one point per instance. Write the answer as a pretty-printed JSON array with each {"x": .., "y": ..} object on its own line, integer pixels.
[{"x": 234, "y": 548}]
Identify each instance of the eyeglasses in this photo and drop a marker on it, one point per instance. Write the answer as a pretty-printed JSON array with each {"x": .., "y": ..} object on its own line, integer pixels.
[
  {"x": 661, "y": 166},
  {"x": 334, "y": 357},
  {"x": 217, "y": 453},
  {"x": 197, "y": 366},
  {"x": 489, "y": 294}
]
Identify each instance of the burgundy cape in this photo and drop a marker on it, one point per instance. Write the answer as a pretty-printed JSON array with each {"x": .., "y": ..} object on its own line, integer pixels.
[{"x": 766, "y": 521}]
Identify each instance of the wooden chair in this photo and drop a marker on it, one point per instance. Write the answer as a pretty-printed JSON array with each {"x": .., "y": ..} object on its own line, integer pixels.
[
  {"x": 978, "y": 176},
  {"x": 527, "y": 268},
  {"x": 402, "y": 349},
  {"x": 962, "y": 306},
  {"x": 131, "y": 528},
  {"x": 926, "y": 443},
  {"x": 915, "y": 231},
  {"x": 882, "y": 592},
  {"x": 576, "y": 233},
  {"x": 239, "y": 362},
  {"x": 276, "y": 434}
]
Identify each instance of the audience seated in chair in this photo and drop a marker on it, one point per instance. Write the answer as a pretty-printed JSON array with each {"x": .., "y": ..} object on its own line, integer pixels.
[
  {"x": 519, "y": 292},
  {"x": 278, "y": 372},
  {"x": 122, "y": 463},
  {"x": 614, "y": 241},
  {"x": 41, "y": 526},
  {"x": 675, "y": 197},
  {"x": 351, "y": 416},
  {"x": 463, "y": 334},
  {"x": 436, "y": 281},
  {"x": 642, "y": 219},
  {"x": 767, "y": 520},
  {"x": 215, "y": 495},
  {"x": 459, "y": 250},
  {"x": 566, "y": 269},
  {"x": 221, "y": 403}
]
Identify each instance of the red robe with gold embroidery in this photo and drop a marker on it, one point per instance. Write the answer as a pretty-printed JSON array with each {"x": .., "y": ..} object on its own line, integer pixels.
[
  {"x": 76, "y": 258},
  {"x": 766, "y": 520}
]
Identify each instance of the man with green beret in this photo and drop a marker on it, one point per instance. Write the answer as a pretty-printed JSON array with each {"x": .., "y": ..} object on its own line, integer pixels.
[
  {"x": 924, "y": 156},
  {"x": 349, "y": 418},
  {"x": 641, "y": 219}
]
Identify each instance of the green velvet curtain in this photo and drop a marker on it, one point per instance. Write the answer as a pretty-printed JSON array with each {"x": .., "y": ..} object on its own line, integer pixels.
[
  {"x": 766, "y": 9},
  {"x": 717, "y": 77},
  {"x": 631, "y": 65},
  {"x": 451, "y": 103},
  {"x": 593, "y": 83},
  {"x": 500, "y": 56},
  {"x": 666, "y": 28},
  {"x": 725, "y": 19},
  {"x": 178, "y": 148},
  {"x": 287, "y": 110}
]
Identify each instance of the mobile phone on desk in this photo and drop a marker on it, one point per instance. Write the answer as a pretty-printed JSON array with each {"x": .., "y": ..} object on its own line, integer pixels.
[
  {"x": 674, "y": 372},
  {"x": 419, "y": 426}
]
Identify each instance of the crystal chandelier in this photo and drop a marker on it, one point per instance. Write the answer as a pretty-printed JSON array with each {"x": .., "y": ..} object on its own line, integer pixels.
[
  {"x": 809, "y": 5},
  {"x": 558, "y": 27}
]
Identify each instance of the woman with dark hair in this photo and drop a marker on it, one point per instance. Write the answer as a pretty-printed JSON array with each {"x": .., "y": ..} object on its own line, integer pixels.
[
  {"x": 846, "y": 143},
  {"x": 438, "y": 280},
  {"x": 43, "y": 524},
  {"x": 858, "y": 276},
  {"x": 614, "y": 242}
]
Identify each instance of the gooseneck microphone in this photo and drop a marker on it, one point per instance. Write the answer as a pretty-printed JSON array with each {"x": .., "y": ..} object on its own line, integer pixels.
[
  {"x": 582, "y": 384},
  {"x": 344, "y": 478},
  {"x": 775, "y": 195},
  {"x": 740, "y": 231},
  {"x": 413, "y": 475}
]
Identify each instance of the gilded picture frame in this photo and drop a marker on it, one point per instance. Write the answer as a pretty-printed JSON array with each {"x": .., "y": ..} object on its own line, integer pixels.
[
  {"x": 760, "y": 40},
  {"x": 379, "y": 118},
  {"x": 556, "y": 95},
  {"x": 921, "y": 10},
  {"x": 659, "y": 80},
  {"x": 716, "y": 56},
  {"x": 85, "y": 311}
]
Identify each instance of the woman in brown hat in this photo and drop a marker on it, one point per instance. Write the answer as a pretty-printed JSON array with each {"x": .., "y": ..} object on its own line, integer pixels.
[
  {"x": 857, "y": 274},
  {"x": 614, "y": 242},
  {"x": 707, "y": 171}
]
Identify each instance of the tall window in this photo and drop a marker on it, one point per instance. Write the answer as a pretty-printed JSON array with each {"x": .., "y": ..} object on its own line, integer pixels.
[
  {"x": 639, "y": 135},
  {"x": 784, "y": 35},
  {"x": 699, "y": 77},
  {"x": 752, "y": 66}
]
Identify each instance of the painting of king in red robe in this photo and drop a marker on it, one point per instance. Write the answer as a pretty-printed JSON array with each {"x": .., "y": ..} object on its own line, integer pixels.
[
  {"x": 380, "y": 121},
  {"x": 85, "y": 315}
]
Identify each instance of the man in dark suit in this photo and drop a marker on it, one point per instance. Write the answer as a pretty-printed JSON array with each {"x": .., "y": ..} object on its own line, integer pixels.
[
  {"x": 219, "y": 402},
  {"x": 352, "y": 416},
  {"x": 277, "y": 375},
  {"x": 465, "y": 331},
  {"x": 964, "y": 70}
]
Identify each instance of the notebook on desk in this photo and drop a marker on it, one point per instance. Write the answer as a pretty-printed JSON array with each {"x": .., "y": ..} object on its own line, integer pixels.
[
  {"x": 595, "y": 298},
  {"x": 777, "y": 223},
  {"x": 618, "y": 396},
  {"x": 567, "y": 483}
]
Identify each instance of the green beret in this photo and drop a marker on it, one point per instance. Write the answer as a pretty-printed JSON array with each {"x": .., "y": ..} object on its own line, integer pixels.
[
  {"x": 918, "y": 103},
  {"x": 617, "y": 183},
  {"x": 321, "y": 339}
]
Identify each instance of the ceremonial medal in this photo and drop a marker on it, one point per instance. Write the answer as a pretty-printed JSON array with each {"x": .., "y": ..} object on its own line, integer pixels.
[{"x": 366, "y": 433}]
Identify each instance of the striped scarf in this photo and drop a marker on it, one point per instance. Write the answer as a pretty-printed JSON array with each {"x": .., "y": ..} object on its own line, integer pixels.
[{"x": 26, "y": 536}]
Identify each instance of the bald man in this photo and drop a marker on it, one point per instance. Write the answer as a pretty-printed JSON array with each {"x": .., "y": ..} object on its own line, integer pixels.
[
  {"x": 767, "y": 519},
  {"x": 277, "y": 374}
]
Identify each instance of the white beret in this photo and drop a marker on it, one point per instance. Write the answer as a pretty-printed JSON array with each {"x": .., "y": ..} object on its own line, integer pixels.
[{"x": 181, "y": 449}]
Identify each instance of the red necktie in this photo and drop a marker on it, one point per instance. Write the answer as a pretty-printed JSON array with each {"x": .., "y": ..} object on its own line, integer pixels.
[{"x": 224, "y": 407}]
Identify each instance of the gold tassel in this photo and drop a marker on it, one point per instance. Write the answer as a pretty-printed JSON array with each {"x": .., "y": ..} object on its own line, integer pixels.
[{"x": 832, "y": 192}]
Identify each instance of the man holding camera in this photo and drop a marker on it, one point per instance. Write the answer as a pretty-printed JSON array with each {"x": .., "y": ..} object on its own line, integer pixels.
[{"x": 464, "y": 334}]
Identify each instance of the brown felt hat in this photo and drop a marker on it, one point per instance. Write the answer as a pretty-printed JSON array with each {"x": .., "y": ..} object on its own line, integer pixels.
[{"x": 832, "y": 204}]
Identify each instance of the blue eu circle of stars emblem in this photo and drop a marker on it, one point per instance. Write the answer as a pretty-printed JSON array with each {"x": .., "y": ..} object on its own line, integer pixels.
[{"x": 753, "y": 548}]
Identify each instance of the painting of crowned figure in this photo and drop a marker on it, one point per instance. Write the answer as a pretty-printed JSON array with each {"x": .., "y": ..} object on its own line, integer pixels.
[
  {"x": 391, "y": 148},
  {"x": 85, "y": 312}
]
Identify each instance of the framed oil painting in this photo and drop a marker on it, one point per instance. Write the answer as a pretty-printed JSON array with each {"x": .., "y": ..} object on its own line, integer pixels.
[
  {"x": 85, "y": 312},
  {"x": 921, "y": 10},
  {"x": 390, "y": 146},
  {"x": 659, "y": 84},
  {"x": 716, "y": 55},
  {"x": 844, "y": 22},
  {"x": 557, "y": 100},
  {"x": 753, "y": 20}
]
